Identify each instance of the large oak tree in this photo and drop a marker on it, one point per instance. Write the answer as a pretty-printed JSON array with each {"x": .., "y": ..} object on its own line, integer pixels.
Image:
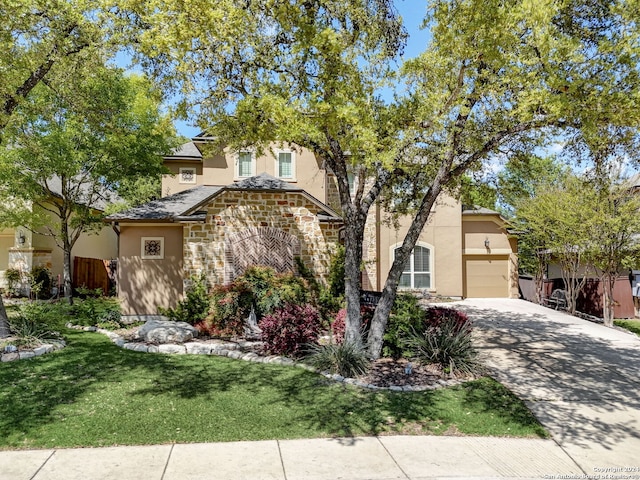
[{"x": 496, "y": 78}]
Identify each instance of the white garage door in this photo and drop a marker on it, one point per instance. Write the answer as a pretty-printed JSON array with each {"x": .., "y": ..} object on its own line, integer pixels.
[{"x": 487, "y": 277}]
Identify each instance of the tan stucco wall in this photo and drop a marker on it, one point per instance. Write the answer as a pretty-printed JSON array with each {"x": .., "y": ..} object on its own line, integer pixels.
[
  {"x": 219, "y": 169},
  {"x": 6, "y": 242},
  {"x": 171, "y": 183},
  {"x": 233, "y": 212},
  {"x": 144, "y": 285},
  {"x": 442, "y": 234}
]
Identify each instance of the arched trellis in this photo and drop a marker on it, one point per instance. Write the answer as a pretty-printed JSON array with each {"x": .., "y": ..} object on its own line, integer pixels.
[{"x": 265, "y": 246}]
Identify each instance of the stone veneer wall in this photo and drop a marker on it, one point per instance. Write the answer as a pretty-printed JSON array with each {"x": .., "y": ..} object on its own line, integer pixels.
[{"x": 233, "y": 213}]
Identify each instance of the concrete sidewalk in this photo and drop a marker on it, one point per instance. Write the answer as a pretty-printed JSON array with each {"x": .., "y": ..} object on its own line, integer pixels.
[{"x": 388, "y": 457}]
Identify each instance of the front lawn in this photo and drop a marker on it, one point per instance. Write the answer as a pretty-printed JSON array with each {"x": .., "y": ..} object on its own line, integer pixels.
[
  {"x": 631, "y": 325},
  {"x": 93, "y": 393}
]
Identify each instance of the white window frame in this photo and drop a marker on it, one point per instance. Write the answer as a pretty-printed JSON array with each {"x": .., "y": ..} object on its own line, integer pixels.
[
  {"x": 352, "y": 178},
  {"x": 431, "y": 272},
  {"x": 143, "y": 254},
  {"x": 188, "y": 169},
  {"x": 237, "y": 165},
  {"x": 292, "y": 178}
]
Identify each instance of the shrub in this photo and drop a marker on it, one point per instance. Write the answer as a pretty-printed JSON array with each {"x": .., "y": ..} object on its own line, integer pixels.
[
  {"x": 13, "y": 276},
  {"x": 448, "y": 343},
  {"x": 195, "y": 307},
  {"x": 346, "y": 359},
  {"x": 30, "y": 326},
  {"x": 406, "y": 314},
  {"x": 40, "y": 281},
  {"x": 230, "y": 306},
  {"x": 335, "y": 276},
  {"x": 290, "y": 329},
  {"x": 438, "y": 315},
  {"x": 272, "y": 290},
  {"x": 91, "y": 311},
  {"x": 339, "y": 324}
]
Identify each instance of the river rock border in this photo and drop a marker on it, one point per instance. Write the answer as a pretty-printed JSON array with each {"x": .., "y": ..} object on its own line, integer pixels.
[
  {"x": 9, "y": 354},
  {"x": 234, "y": 350}
]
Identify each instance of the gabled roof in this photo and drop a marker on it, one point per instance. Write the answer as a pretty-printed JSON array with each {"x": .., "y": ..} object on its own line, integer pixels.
[
  {"x": 97, "y": 199},
  {"x": 187, "y": 151},
  {"x": 186, "y": 205},
  {"x": 167, "y": 208}
]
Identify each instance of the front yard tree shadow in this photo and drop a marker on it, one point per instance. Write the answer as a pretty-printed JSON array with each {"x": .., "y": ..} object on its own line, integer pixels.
[{"x": 93, "y": 393}]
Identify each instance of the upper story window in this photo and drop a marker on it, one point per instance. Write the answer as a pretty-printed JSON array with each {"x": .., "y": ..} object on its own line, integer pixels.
[
  {"x": 245, "y": 165},
  {"x": 417, "y": 271},
  {"x": 351, "y": 177},
  {"x": 285, "y": 165},
  {"x": 187, "y": 175}
]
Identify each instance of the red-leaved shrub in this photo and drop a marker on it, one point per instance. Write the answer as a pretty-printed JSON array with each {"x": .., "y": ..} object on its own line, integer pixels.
[
  {"x": 289, "y": 329},
  {"x": 436, "y": 316},
  {"x": 339, "y": 324}
]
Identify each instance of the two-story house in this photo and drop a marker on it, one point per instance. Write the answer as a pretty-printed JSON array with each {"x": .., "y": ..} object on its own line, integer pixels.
[{"x": 225, "y": 211}]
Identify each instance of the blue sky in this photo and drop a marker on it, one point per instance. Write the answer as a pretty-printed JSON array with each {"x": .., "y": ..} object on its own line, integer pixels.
[{"x": 412, "y": 12}]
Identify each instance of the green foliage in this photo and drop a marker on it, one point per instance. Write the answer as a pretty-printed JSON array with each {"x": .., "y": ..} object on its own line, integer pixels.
[
  {"x": 630, "y": 325},
  {"x": 195, "y": 307},
  {"x": 30, "y": 326},
  {"x": 335, "y": 277},
  {"x": 525, "y": 175},
  {"x": 13, "y": 277},
  {"x": 448, "y": 344},
  {"x": 78, "y": 143},
  {"x": 230, "y": 307},
  {"x": 93, "y": 310},
  {"x": 407, "y": 315},
  {"x": 40, "y": 280},
  {"x": 272, "y": 290},
  {"x": 478, "y": 192},
  {"x": 344, "y": 358},
  {"x": 331, "y": 297}
]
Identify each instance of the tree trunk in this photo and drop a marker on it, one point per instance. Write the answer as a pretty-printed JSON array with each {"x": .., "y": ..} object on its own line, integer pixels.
[
  {"x": 4, "y": 320},
  {"x": 354, "y": 233},
  {"x": 66, "y": 275},
  {"x": 390, "y": 290},
  {"x": 608, "y": 282}
]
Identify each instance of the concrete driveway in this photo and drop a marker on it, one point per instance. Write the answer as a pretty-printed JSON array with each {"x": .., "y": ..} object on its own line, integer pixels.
[{"x": 580, "y": 379}]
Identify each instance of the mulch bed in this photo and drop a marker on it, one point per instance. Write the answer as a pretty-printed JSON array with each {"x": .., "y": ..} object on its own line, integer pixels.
[{"x": 386, "y": 372}]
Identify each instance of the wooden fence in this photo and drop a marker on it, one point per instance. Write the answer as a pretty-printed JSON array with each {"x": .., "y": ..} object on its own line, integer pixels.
[
  {"x": 590, "y": 297},
  {"x": 94, "y": 273}
]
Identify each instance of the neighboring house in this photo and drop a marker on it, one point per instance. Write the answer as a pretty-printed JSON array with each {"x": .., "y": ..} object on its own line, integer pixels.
[
  {"x": 22, "y": 249},
  {"x": 222, "y": 212}
]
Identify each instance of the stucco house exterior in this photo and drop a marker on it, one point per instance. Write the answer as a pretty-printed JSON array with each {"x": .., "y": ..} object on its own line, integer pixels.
[{"x": 222, "y": 211}]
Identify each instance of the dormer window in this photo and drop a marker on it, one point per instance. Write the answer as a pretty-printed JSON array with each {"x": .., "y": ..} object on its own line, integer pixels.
[
  {"x": 285, "y": 165},
  {"x": 187, "y": 175},
  {"x": 245, "y": 165}
]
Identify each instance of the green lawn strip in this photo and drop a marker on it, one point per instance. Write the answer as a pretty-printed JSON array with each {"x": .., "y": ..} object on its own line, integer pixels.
[
  {"x": 631, "y": 325},
  {"x": 93, "y": 393}
]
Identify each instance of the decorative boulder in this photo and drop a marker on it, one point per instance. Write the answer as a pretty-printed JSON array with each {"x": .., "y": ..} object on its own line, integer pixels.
[{"x": 166, "y": 331}]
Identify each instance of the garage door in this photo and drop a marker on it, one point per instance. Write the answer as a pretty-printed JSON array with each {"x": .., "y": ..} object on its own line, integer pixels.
[{"x": 487, "y": 277}]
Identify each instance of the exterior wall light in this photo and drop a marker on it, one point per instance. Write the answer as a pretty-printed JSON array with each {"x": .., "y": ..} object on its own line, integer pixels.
[
  {"x": 21, "y": 237},
  {"x": 486, "y": 243}
]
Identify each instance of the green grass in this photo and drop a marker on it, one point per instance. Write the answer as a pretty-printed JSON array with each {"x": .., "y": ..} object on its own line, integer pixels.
[
  {"x": 631, "y": 325},
  {"x": 92, "y": 393}
]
